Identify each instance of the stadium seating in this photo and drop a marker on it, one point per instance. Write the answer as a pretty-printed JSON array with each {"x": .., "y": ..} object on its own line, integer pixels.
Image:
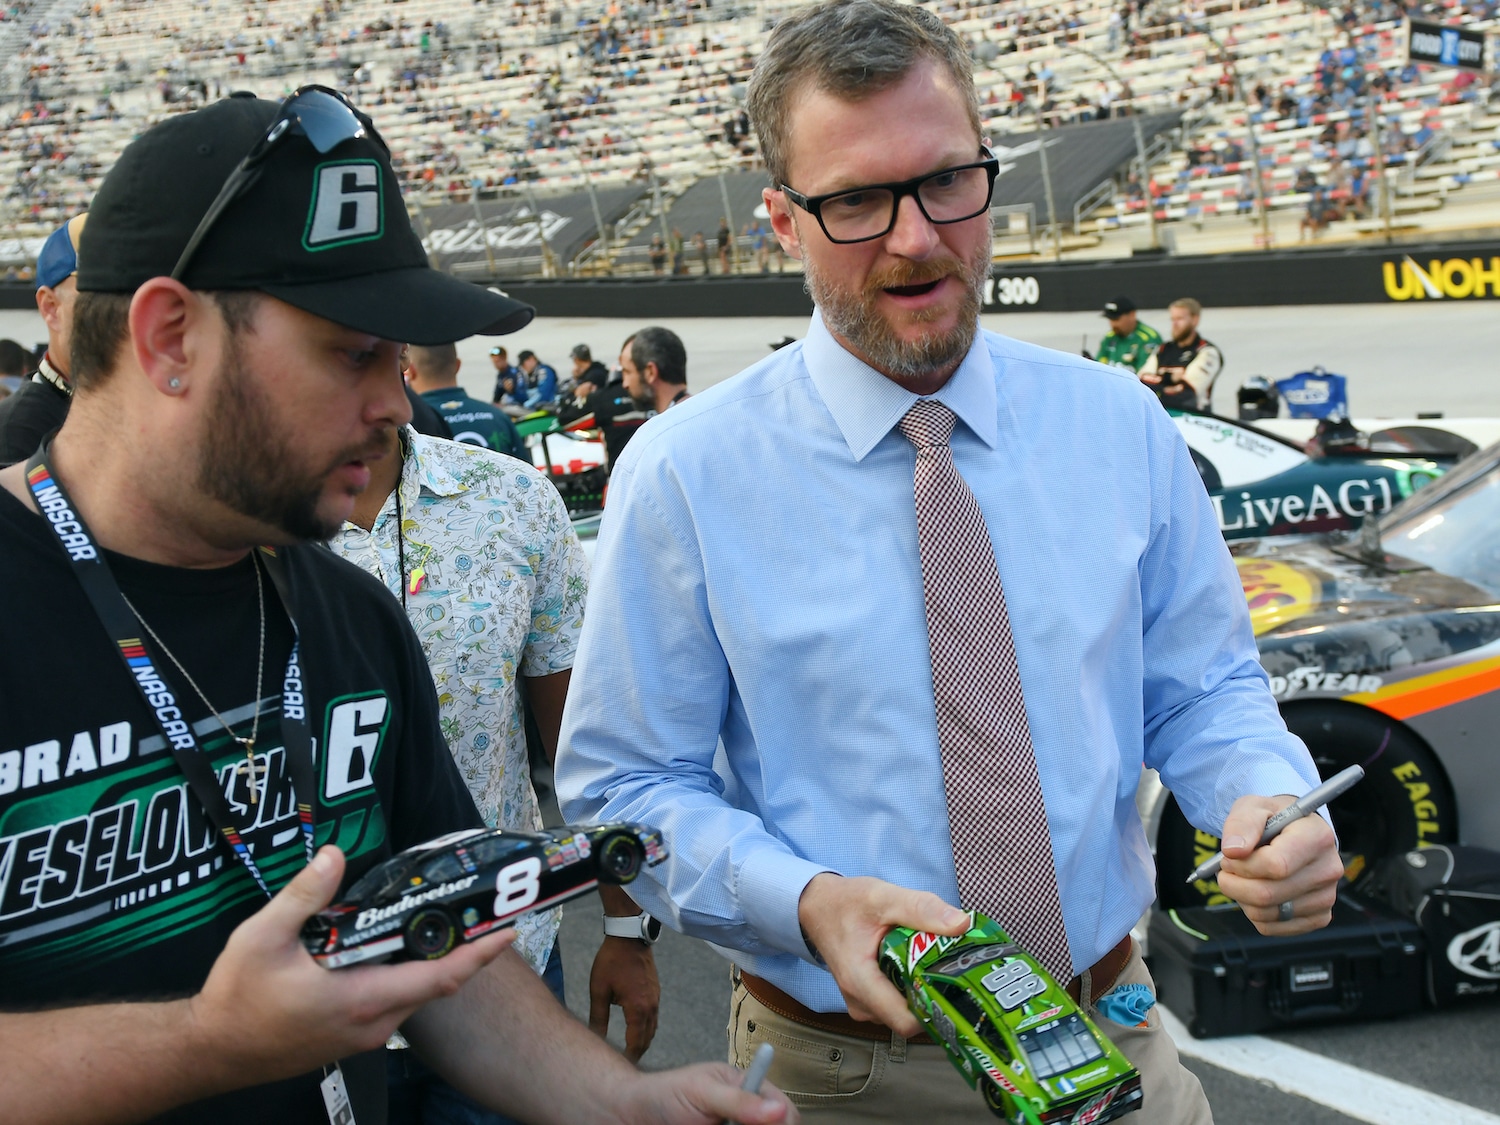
[{"x": 551, "y": 96}]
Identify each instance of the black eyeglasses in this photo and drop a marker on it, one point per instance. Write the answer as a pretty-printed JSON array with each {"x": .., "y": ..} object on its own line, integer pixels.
[
  {"x": 325, "y": 117},
  {"x": 862, "y": 213}
]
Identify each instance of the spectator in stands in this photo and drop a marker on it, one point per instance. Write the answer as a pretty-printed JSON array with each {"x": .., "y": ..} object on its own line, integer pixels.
[
  {"x": 588, "y": 373},
  {"x": 1128, "y": 343},
  {"x": 700, "y": 249},
  {"x": 658, "y": 255},
  {"x": 1182, "y": 371},
  {"x": 433, "y": 373},
  {"x": 1320, "y": 212},
  {"x": 38, "y": 407},
  {"x": 725, "y": 238},
  {"x": 541, "y": 381},
  {"x": 675, "y": 250},
  {"x": 654, "y": 365}
]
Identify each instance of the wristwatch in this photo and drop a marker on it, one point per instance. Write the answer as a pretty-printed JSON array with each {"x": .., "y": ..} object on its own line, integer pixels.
[{"x": 641, "y": 927}]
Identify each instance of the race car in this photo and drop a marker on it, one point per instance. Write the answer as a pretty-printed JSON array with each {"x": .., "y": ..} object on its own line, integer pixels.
[
  {"x": 1383, "y": 650},
  {"x": 1009, "y": 1028},
  {"x": 418, "y": 905},
  {"x": 1261, "y": 484}
]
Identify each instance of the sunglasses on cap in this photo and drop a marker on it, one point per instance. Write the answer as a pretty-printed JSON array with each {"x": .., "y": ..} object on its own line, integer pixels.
[{"x": 325, "y": 117}]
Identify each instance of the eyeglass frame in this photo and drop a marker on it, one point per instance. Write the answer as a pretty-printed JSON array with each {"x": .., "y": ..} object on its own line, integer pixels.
[
  {"x": 813, "y": 204},
  {"x": 247, "y": 171}
]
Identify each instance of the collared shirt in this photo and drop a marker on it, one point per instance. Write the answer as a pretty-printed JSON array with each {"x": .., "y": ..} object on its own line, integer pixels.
[
  {"x": 766, "y": 594},
  {"x": 495, "y": 585},
  {"x": 1131, "y": 350}
]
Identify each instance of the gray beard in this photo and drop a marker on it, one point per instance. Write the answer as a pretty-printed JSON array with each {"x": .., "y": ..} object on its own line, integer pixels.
[{"x": 852, "y": 317}]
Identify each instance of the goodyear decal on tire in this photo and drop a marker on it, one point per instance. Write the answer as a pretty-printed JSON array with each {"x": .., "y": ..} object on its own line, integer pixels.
[{"x": 1276, "y": 593}]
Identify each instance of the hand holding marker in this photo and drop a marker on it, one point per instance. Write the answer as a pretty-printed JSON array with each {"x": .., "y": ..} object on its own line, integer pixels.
[
  {"x": 760, "y": 1065},
  {"x": 1335, "y": 786}
]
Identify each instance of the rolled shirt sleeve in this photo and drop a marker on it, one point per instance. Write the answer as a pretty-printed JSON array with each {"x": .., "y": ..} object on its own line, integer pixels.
[{"x": 1212, "y": 728}]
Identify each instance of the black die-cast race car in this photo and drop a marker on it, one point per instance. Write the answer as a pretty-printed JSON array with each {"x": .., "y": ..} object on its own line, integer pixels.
[{"x": 418, "y": 905}]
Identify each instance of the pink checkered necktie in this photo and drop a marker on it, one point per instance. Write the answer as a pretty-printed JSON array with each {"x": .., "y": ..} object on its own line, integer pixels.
[{"x": 1001, "y": 847}]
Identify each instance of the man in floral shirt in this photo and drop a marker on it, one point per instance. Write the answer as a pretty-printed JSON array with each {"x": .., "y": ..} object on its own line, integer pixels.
[{"x": 493, "y": 580}]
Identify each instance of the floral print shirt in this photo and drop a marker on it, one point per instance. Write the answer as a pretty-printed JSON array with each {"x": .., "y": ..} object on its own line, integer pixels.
[{"x": 495, "y": 584}]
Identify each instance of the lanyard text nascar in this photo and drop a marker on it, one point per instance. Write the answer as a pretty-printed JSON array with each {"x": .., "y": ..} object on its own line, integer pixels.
[{"x": 145, "y": 669}]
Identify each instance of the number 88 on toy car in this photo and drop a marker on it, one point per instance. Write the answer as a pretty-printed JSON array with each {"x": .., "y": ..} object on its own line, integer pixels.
[{"x": 1009, "y": 1028}]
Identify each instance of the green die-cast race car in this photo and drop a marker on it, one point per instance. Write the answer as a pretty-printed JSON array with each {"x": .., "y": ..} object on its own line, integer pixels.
[{"x": 1009, "y": 1028}]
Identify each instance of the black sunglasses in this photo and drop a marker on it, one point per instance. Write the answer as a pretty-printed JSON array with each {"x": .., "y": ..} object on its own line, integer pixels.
[
  {"x": 864, "y": 213},
  {"x": 325, "y": 117}
]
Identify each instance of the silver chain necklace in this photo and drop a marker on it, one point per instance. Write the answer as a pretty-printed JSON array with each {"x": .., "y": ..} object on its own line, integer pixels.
[{"x": 249, "y": 767}]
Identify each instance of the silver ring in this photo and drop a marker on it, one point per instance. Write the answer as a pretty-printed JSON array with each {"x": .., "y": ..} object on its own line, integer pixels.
[{"x": 1284, "y": 912}]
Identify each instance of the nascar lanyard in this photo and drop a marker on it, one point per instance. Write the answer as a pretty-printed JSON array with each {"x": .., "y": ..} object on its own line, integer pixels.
[{"x": 150, "y": 678}]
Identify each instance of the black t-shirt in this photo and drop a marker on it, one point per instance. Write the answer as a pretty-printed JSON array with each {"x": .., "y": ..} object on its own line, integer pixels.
[
  {"x": 617, "y": 415},
  {"x": 27, "y": 416},
  {"x": 113, "y": 884}
]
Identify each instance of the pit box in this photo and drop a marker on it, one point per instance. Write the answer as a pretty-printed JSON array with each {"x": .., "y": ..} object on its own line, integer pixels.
[{"x": 1221, "y": 976}]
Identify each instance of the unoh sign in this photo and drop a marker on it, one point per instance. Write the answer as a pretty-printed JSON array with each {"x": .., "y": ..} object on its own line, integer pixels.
[{"x": 1455, "y": 277}]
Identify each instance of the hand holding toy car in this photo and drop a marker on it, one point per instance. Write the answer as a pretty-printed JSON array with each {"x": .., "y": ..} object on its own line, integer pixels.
[
  {"x": 273, "y": 1011},
  {"x": 1288, "y": 886},
  {"x": 845, "y": 920}
]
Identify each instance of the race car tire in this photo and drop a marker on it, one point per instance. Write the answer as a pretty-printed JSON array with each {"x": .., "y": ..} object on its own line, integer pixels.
[
  {"x": 429, "y": 934},
  {"x": 893, "y": 973},
  {"x": 998, "y": 1102},
  {"x": 620, "y": 859},
  {"x": 1404, "y": 800}
]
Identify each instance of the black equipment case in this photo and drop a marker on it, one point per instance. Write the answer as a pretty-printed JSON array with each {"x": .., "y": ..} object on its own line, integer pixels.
[
  {"x": 1220, "y": 976},
  {"x": 1453, "y": 893}
]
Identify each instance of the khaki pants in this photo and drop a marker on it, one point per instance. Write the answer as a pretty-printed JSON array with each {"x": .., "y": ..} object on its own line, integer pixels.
[{"x": 839, "y": 1078}]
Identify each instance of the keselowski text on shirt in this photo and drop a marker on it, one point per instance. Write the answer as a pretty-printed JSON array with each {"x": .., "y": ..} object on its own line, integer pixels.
[{"x": 113, "y": 883}]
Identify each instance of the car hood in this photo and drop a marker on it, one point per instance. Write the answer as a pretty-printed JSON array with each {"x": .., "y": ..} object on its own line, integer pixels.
[{"x": 1311, "y": 603}]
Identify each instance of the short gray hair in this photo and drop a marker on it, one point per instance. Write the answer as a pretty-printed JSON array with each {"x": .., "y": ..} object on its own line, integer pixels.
[{"x": 852, "y": 49}]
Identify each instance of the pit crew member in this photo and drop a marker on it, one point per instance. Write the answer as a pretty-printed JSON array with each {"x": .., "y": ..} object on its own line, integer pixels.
[
  {"x": 1183, "y": 370},
  {"x": 1128, "y": 343}
]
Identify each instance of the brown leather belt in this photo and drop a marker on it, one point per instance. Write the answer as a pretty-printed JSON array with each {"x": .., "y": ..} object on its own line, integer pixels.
[{"x": 1102, "y": 977}]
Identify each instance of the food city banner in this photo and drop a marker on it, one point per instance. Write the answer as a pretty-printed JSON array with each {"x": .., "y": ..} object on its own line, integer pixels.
[{"x": 1438, "y": 45}]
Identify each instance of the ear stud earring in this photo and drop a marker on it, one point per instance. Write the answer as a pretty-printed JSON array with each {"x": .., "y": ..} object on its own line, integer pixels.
[{"x": 174, "y": 383}]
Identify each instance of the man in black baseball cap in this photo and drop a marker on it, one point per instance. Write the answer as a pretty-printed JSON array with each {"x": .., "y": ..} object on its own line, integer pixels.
[
  {"x": 216, "y": 726},
  {"x": 324, "y": 230},
  {"x": 1128, "y": 343}
]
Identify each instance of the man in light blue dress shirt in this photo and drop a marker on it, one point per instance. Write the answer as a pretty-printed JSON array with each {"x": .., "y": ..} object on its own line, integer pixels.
[{"x": 764, "y": 596}]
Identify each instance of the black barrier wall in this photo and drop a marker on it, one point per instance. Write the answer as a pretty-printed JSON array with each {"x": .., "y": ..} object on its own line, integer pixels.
[{"x": 1362, "y": 275}]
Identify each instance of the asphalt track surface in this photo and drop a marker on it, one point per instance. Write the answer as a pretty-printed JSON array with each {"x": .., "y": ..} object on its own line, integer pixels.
[
  {"x": 1437, "y": 1068},
  {"x": 1399, "y": 359}
]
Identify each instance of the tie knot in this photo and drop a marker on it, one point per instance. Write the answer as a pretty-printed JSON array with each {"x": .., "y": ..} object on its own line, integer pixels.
[{"x": 928, "y": 423}]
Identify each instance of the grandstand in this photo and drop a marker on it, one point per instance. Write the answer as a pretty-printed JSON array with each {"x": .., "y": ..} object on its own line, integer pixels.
[{"x": 614, "y": 121}]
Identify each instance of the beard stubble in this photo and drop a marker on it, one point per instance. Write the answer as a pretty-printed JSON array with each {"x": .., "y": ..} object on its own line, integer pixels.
[
  {"x": 852, "y": 315},
  {"x": 247, "y": 464}
]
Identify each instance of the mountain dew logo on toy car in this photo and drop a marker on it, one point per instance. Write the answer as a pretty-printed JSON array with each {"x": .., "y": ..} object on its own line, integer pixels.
[{"x": 1010, "y": 1029}]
